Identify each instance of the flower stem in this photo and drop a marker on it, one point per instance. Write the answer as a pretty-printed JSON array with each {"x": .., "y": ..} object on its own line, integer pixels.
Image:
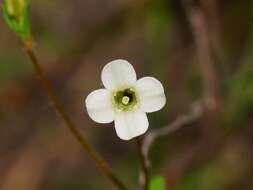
[
  {"x": 100, "y": 162},
  {"x": 144, "y": 176}
]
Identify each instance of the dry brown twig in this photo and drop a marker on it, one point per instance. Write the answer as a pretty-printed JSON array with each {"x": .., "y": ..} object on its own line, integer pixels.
[
  {"x": 196, "y": 111},
  {"x": 59, "y": 108},
  {"x": 199, "y": 28},
  {"x": 199, "y": 24},
  {"x": 210, "y": 93}
]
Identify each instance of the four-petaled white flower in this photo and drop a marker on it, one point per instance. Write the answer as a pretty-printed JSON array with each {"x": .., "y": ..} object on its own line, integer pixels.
[{"x": 125, "y": 100}]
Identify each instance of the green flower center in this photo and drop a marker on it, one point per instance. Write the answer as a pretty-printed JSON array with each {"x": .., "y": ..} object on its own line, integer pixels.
[{"x": 125, "y": 100}]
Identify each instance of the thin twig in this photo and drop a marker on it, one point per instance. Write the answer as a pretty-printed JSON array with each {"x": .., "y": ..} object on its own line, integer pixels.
[
  {"x": 199, "y": 27},
  {"x": 200, "y": 33},
  {"x": 144, "y": 175},
  {"x": 195, "y": 113},
  {"x": 101, "y": 163}
]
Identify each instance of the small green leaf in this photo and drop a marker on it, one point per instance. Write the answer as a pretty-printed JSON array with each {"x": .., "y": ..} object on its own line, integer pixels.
[
  {"x": 158, "y": 183},
  {"x": 16, "y": 14}
]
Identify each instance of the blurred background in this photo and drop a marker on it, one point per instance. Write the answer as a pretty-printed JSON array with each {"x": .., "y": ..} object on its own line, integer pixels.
[{"x": 198, "y": 49}]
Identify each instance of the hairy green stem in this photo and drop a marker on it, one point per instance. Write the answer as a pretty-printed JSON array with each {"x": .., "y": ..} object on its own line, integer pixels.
[{"x": 101, "y": 163}]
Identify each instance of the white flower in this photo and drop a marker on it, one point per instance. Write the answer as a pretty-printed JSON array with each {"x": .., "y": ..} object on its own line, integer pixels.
[{"x": 125, "y": 100}]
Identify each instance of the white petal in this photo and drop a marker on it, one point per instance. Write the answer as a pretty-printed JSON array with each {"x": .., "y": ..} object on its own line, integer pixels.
[
  {"x": 151, "y": 94},
  {"x": 118, "y": 73},
  {"x": 99, "y": 106},
  {"x": 131, "y": 124}
]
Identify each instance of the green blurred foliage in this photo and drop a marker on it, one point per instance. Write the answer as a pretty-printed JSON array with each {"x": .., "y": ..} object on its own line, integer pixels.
[
  {"x": 220, "y": 173},
  {"x": 12, "y": 66},
  {"x": 157, "y": 183},
  {"x": 240, "y": 100},
  {"x": 158, "y": 25}
]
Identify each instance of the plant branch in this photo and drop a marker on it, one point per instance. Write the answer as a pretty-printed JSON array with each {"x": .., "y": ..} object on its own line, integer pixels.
[
  {"x": 197, "y": 110},
  {"x": 144, "y": 175},
  {"x": 101, "y": 163},
  {"x": 210, "y": 138},
  {"x": 210, "y": 82},
  {"x": 200, "y": 33}
]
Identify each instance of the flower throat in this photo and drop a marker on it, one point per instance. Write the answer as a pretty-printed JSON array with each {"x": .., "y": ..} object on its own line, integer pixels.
[{"x": 125, "y": 100}]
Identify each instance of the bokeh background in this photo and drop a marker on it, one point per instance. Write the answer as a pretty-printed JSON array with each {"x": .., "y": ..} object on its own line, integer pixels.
[{"x": 177, "y": 41}]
